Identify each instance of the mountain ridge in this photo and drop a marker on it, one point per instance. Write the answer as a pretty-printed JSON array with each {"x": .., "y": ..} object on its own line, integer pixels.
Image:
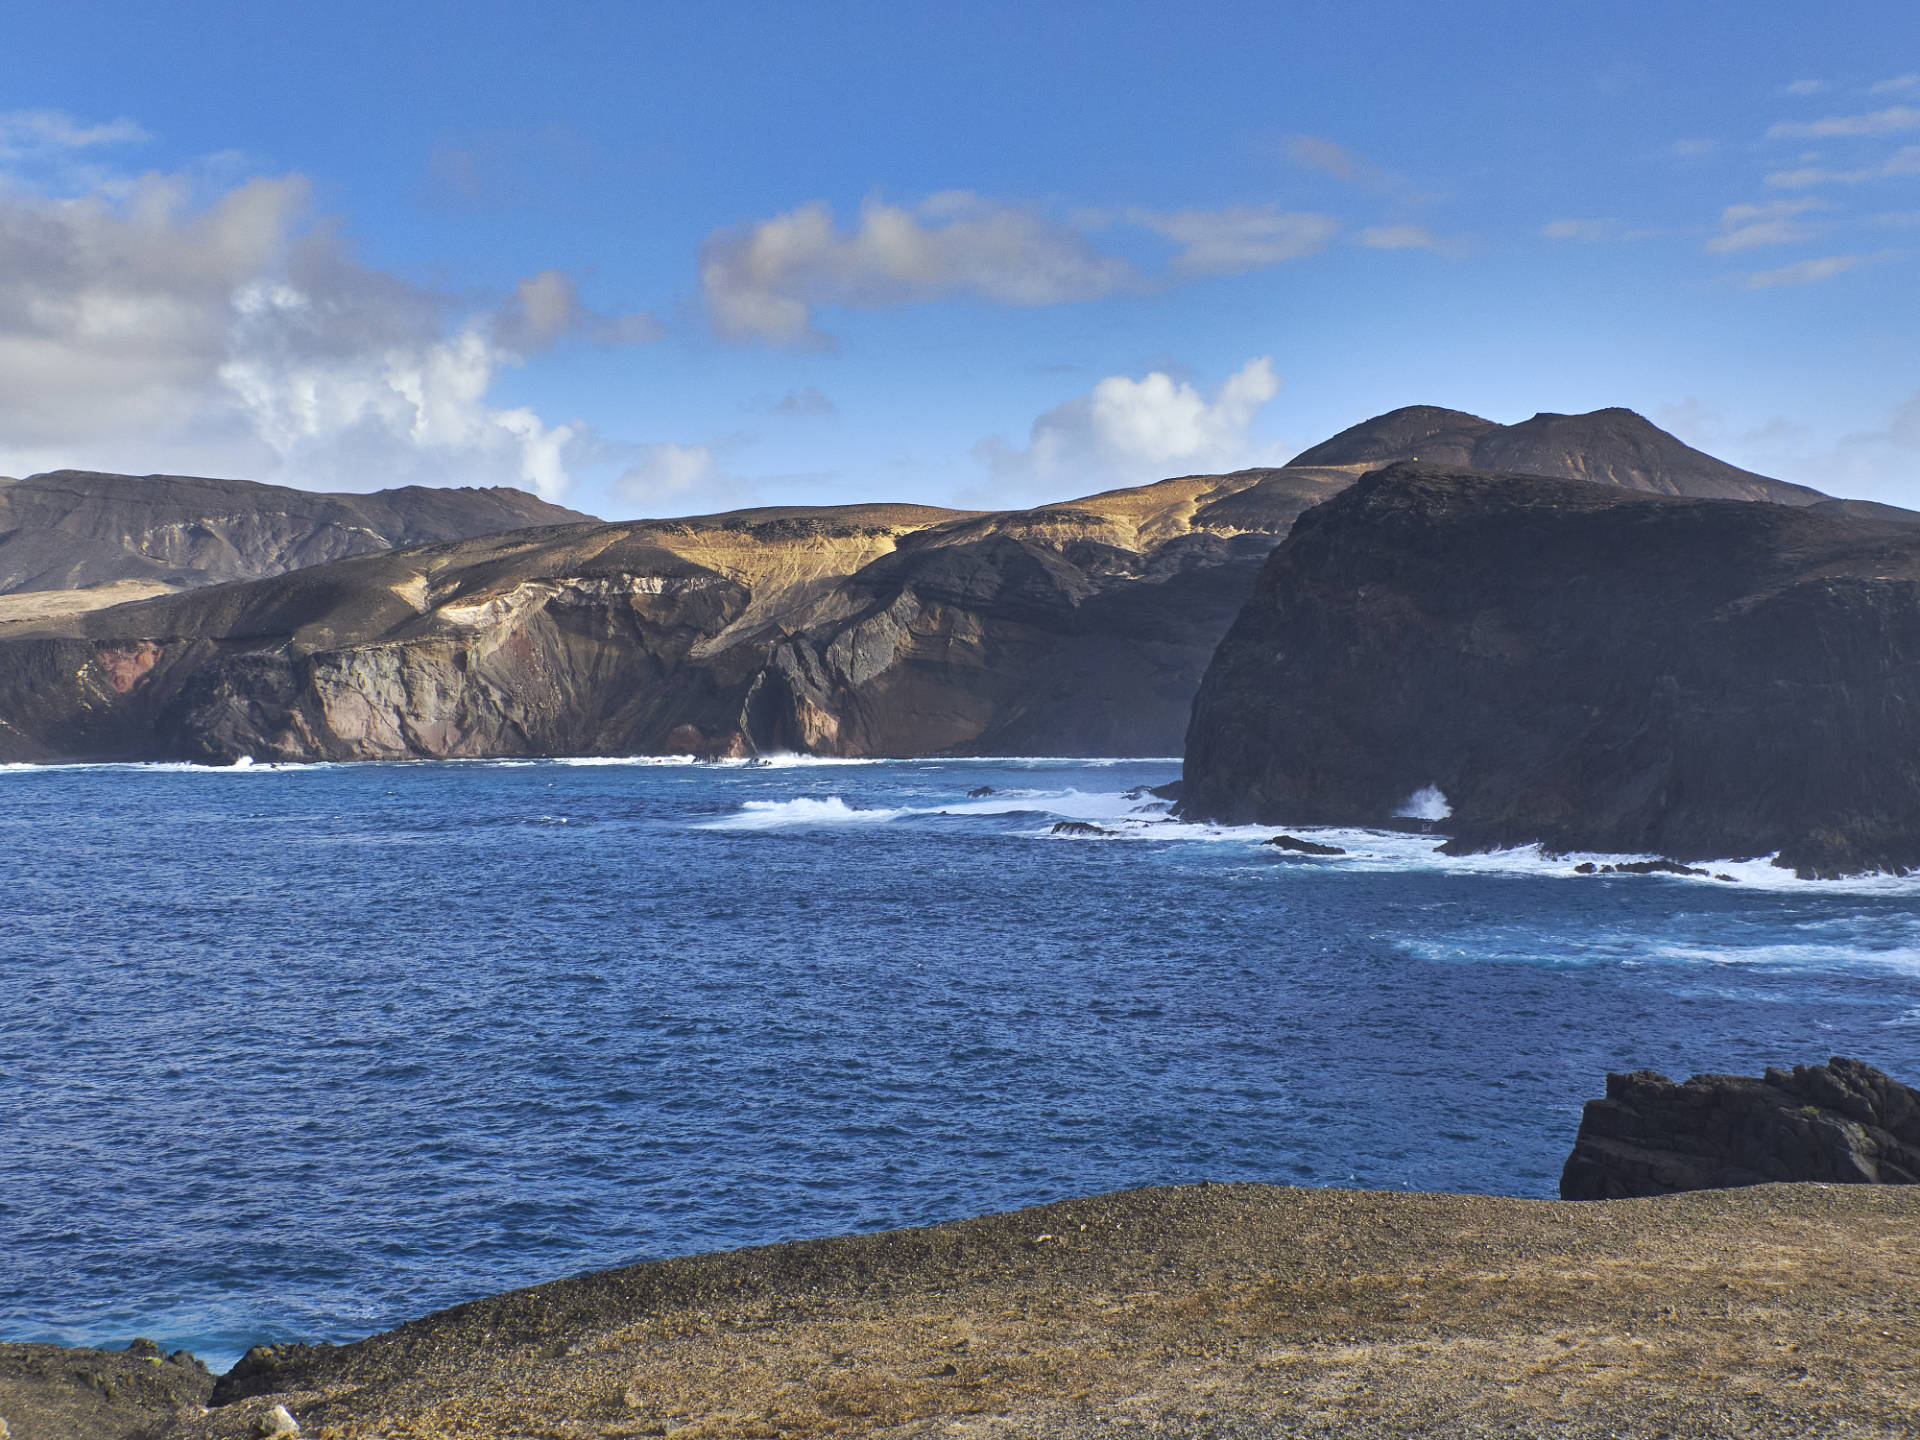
[{"x": 1612, "y": 446}]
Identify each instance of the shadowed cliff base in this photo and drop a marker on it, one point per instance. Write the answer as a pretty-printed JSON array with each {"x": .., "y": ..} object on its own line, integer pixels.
[
  {"x": 1226, "y": 1311},
  {"x": 1527, "y": 660}
]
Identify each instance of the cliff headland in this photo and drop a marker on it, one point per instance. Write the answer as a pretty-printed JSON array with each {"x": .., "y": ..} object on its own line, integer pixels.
[{"x": 1589, "y": 668}]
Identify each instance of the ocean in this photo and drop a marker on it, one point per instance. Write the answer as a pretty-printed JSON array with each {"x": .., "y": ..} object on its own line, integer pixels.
[{"x": 303, "y": 1052}]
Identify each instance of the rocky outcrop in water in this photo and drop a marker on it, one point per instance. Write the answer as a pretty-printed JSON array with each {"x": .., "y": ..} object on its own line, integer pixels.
[
  {"x": 1584, "y": 667},
  {"x": 78, "y": 529},
  {"x": 1842, "y": 1123},
  {"x": 1080, "y": 628}
]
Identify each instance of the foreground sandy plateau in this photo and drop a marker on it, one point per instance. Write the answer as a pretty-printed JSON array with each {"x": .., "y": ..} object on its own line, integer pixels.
[{"x": 1232, "y": 1310}]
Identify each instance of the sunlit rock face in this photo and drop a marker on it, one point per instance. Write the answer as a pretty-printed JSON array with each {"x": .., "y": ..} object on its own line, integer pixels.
[
  {"x": 1586, "y": 667},
  {"x": 1079, "y": 628}
]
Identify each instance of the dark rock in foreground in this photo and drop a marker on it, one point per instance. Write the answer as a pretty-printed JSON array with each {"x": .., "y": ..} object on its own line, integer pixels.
[
  {"x": 1584, "y": 667},
  {"x": 1842, "y": 1123},
  {"x": 48, "y": 1392}
]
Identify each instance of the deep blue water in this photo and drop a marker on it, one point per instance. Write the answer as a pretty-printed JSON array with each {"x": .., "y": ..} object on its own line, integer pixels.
[{"x": 302, "y": 1053}]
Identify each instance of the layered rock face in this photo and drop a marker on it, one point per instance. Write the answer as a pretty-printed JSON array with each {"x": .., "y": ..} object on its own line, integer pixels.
[
  {"x": 858, "y": 630},
  {"x": 1842, "y": 1123},
  {"x": 1589, "y": 668},
  {"x": 78, "y": 529}
]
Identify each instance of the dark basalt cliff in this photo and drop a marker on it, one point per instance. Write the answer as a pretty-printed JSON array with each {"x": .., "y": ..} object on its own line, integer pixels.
[
  {"x": 1843, "y": 1123},
  {"x": 1080, "y": 628},
  {"x": 1589, "y": 668},
  {"x": 71, "y": 529},
  {"x": 1610, "y": 447}
]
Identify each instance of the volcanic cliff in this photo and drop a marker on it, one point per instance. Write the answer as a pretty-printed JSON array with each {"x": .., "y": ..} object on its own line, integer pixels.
[
  {"x": 1590, "y": 668},
  {"x": 855, "y": 630},
  {"x": 1075, "y": 628}
]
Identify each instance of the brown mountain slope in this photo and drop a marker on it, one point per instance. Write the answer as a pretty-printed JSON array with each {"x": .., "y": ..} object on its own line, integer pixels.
[
  {"x": 859, "y": 630},
  {"x": 69, "y": 530},
  {"x": 1611, "y": 447}
]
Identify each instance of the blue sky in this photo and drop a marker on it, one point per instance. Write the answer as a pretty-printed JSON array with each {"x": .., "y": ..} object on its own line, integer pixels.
[{"x": 654, "y": 260}]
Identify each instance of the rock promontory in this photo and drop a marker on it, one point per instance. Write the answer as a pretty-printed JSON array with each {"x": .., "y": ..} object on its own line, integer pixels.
[
  {"x": 1526, "y": 660},
  {"x": 1842, "y": 1123}
]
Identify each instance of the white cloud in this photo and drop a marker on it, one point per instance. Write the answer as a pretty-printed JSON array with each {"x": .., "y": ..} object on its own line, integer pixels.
[
  {"x": 1890, "y": 121},
  {"x": 679, "y": 480},
  {"x": 143, "y": 328},
  {"x": 1903, "y": 162},
  {"x": 1805, "y": 272},
  {"x": 1126, "y": 432},
  {"x": 1898, "y": 85},
  {"x": 1745, "y": 227},
  {"x": 1238, "y": 239},
  {"x": 764, "y": 281},
  {"x": 1401, "y": 237},
  {"x": 1801, "y": 88},
  {"x": 1693, "y": 148}
]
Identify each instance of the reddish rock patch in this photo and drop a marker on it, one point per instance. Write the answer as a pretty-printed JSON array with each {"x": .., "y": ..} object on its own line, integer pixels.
[{"x": 127, "y": 668}]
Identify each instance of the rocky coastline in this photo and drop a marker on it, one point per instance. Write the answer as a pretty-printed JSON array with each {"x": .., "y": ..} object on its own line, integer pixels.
[
  {"x": 1524, "y": 660},
  {"x": 1217, "y": 1311}
]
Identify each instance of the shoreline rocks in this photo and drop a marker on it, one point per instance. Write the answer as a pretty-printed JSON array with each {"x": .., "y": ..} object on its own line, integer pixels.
[{"x": 1842, "y": 1123}]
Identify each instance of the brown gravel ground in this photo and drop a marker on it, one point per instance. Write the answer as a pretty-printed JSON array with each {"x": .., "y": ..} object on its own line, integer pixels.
[{"x": 1218, "y": 1311}]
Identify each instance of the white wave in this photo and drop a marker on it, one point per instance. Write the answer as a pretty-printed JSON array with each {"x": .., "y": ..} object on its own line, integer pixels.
[
  {"x": 1426, "y": 803},
  {"x": 803, "y": 811},
  {"x": 642, "y": 760}
]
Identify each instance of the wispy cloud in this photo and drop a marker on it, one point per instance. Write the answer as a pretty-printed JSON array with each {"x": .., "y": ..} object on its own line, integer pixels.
[
  {"x": 1404, "y": 237},
  {"x": 763, "y": 281},
  {"x": 25, "y": 133},
  {"x": 1898, "y": 85},
  {"x": 1802, "y": 88},
  {"x": 1890, "y": 121},
  {"x": 1804, "y": 272},
  {"x": 1747, "y": 227},
  {"x": 1903, "y": 162},
  {"x": 1238, "y": 239},
  {"x": 1594, "y": 232},
  {"x": 1332, "y": 158}
]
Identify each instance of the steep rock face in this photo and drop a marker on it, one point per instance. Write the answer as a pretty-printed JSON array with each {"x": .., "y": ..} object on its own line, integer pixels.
[
  {"x": 75, "y": 529},
  {"x": 860, "y": 630},
  {"x": 1843, "y": 1123},
  {"x": 1609, "y": 447},
  {"x": 1588, "y": 668}
]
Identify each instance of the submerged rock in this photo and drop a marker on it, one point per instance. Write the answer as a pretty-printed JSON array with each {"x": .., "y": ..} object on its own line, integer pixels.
[
  {"x": 1842, "y": 1123},
  {"x": 1081, "y": 827},
  {"x": 1304, "y": 847},
  {"x": 1641, "y": 867}
]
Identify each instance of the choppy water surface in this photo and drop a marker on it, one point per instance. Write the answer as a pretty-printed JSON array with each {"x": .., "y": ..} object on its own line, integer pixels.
[{"x": 305, "y": 1052}]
